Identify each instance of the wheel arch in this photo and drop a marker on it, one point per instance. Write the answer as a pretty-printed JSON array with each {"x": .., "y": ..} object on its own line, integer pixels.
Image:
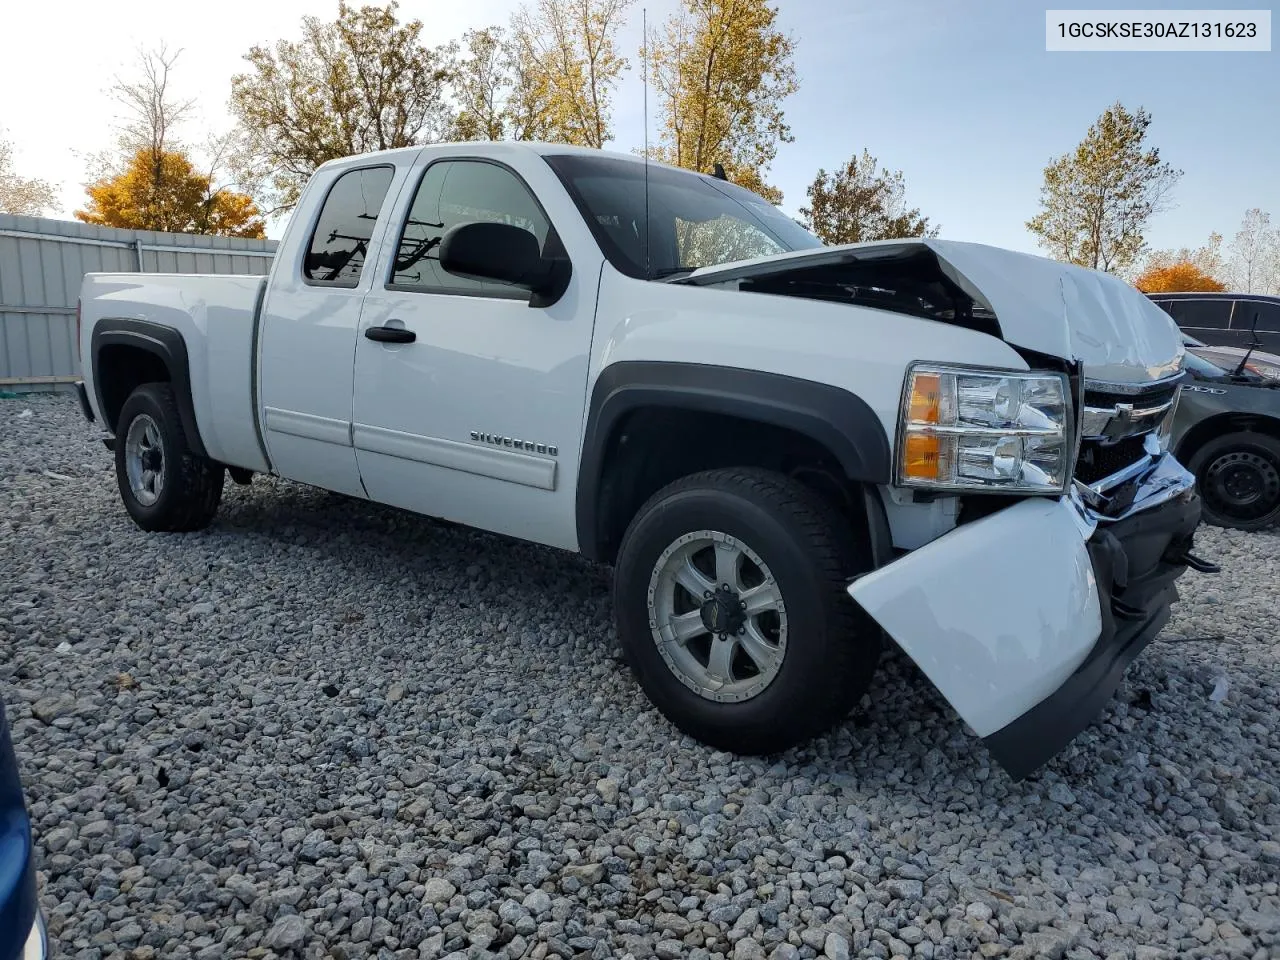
[
  {"x": 1223, "y": 423},
  {"x": 127, "y": 353},
  {"x": 650, "y": 422}
]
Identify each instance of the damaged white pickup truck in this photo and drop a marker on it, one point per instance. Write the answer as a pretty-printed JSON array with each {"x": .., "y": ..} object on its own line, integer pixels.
[{"x": 787, "y": 451}]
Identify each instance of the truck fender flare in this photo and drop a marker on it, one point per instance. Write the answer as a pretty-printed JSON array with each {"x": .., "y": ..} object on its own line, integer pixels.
[
  {"x": 162, "y": 342},
  {"x": 838, "y": 419}
]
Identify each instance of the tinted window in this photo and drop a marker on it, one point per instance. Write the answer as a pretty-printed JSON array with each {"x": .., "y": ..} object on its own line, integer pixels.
[
  {"x": 664, "y": 221},
  {"x": 340, "y": 242},
  {"x": 1268, "y": 315},
  {"x": 1201, "y": 314},
  {"x": 454, "y": 192}
]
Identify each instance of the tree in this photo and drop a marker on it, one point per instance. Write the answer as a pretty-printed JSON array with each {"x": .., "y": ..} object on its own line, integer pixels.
[
  {"x": 566, "y": 55},
  {"x": 855, "y": 204},
  {"x": 482, "y": 86},
  {"x": 1207, "y": 259},
  {"x": 1096, "y": 201},
  {"x": 1182, "y": 275},
  {"x": 153, "y": 113},
  {"x": 361, "y": 83},
  {"x": 1255, "y": 254},
  {"x": 25, "y": 196},
  {"x": 171, "y": 196},
  {"x": 721, "y": 70}
]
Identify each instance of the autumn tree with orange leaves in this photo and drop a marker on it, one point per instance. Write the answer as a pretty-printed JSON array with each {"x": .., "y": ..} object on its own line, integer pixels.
[
  {"x": 167, "y": 193},
  {"x": 1176, "y": 277}
]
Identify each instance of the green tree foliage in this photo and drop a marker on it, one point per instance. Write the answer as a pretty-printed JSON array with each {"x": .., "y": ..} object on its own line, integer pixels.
[
  {"x": 721, "y": 70},
  {"x": 360, "y": 83},
  {"x": 1097, "y": 200},
  {"x": 856, "y": 204}
]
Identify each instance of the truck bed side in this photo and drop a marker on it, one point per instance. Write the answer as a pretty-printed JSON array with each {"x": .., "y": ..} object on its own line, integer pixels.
[{"x": 126, "y": 316}]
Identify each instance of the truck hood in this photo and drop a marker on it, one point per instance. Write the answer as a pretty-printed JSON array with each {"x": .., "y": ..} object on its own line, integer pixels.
[{"x": 1080, "y": 315}]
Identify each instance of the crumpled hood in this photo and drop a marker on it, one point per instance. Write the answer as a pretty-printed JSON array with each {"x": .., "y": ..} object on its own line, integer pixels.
[{"x": 1055, "y": 308}]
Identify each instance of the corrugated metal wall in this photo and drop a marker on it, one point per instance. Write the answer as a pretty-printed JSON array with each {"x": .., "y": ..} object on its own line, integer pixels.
[{"x": 42, "y": 263}]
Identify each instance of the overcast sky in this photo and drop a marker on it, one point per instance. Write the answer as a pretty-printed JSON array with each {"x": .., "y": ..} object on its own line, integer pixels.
[{"x": 958, "y": 94}]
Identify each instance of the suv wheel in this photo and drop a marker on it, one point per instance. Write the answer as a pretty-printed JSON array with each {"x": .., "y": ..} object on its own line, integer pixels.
[
  {"x": 732, "y": 611},
  {"x": 1239, "y": 480}
]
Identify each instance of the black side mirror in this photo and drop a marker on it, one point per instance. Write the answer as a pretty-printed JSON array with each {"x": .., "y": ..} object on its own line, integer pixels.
[{"x": 501, "y": 251}]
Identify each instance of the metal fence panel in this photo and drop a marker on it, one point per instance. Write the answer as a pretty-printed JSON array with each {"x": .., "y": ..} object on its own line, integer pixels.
[{"x": 42, "y": 263}]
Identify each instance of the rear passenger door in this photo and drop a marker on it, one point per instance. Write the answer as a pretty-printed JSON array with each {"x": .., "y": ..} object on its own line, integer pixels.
[{"x": 308, "y": 338}]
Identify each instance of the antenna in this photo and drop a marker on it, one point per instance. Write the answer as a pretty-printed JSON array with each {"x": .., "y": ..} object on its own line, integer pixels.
[
  {"x": 644, "y": 21},
  {"x": 1253, "y": 345}
]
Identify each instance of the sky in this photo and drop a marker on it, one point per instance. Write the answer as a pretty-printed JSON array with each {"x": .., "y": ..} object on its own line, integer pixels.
[{"x": 960, "y": 95}]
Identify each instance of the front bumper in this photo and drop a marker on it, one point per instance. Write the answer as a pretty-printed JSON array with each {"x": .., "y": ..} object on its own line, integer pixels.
[
  {"x": 1135, "y": 562},
  {"x": 1025, "y": 620}
]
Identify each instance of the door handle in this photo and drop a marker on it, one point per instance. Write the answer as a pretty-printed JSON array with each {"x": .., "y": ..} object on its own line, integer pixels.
[{"x": 390, "y": 334}]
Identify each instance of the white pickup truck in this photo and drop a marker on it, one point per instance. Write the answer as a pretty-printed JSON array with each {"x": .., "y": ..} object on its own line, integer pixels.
[{"x": 786, "y": 450}]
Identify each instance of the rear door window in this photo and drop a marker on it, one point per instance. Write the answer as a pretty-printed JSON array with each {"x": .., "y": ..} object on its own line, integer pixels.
[
  {"x": 1268, "y": 316},
  {"x": 340, "y": 242}
]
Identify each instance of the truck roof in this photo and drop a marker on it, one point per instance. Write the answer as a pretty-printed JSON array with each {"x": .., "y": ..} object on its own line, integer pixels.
[{"x": 486, "y": 148}]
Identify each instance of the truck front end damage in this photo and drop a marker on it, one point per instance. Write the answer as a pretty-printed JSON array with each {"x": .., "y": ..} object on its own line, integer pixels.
[
  {"x": 1026, "y": 614},
  {"x": 1026, "y": 618}
]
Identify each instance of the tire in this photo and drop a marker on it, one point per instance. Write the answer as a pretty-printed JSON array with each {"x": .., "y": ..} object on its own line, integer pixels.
[
  {"x": 184, "y": 489},
  {"x": 820, "y": 650},
  {"x": 1239, "y": 480}
]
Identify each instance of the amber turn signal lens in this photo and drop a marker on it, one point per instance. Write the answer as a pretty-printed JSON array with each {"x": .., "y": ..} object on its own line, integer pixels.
[
  {"x": 926, "y": 398},
  {"x": 922, "y": 457}
]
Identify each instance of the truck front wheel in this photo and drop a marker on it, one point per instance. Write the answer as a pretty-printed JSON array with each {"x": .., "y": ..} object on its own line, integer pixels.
[
  {"x": 164, "y": 485},
  {"x": 731, "y": 610}
]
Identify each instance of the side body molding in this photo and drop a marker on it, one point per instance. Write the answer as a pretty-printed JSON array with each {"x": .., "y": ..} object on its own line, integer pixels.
[
  {"x": 836, "y": 418},
  {"x": 167, "y": 345}
]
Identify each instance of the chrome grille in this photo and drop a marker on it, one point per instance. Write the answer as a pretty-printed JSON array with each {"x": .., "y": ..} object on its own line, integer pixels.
[{"x": 1115, "y": 421}]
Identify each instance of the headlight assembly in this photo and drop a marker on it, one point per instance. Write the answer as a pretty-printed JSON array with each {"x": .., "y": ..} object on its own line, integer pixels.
[{"x": 977, "y": 430}]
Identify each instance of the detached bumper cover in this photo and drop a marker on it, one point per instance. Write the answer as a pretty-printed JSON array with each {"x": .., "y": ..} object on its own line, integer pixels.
[
  {"x": 1026, "y": 620},
  {"x": 1135, "y": 591}
]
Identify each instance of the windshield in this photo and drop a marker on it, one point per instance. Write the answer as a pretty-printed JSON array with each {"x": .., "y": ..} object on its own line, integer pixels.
[{"x": 694, "y": 220}]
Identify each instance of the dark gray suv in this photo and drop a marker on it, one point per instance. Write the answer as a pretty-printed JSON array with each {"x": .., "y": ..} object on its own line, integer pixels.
[
  {"x": 1225, "y": 319},
  {"x": 1227, "y": 431}
]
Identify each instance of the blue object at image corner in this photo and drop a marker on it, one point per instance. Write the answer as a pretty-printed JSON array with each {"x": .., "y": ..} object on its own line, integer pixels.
[{"x": 22, "y": 934}]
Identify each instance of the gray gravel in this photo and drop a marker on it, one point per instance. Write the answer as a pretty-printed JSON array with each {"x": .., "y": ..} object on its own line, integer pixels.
[{"x": 323, "y": 728}]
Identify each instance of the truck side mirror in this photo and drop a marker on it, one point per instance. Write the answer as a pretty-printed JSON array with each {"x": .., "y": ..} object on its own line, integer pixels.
[{"x": 501, "y": 251}]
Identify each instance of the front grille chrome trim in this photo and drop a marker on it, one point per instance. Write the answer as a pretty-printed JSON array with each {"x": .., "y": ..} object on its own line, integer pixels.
[
  {"x": 1134, "y": 389},
  {"x": 1097, "y": 421}
]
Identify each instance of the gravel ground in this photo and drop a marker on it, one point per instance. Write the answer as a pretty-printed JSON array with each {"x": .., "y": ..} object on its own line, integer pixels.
[{"x": 322, "y": 728}]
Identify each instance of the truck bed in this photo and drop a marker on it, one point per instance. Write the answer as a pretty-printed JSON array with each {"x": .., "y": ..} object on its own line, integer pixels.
[{"x": 217, "y": 318}]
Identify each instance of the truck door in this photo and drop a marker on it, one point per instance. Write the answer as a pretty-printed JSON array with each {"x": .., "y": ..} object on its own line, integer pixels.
[
  {"x": 309, "y": 323},
  {"x": 468, "y": 400}
]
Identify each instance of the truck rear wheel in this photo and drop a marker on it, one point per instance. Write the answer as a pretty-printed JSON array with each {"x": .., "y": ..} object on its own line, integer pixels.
[
  {"x": 164, "y": 485},
  {"x": 731, "y": 610}
]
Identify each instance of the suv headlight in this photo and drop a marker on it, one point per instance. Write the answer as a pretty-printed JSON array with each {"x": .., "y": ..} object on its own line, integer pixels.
[{"x": 965, "y": 429}]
